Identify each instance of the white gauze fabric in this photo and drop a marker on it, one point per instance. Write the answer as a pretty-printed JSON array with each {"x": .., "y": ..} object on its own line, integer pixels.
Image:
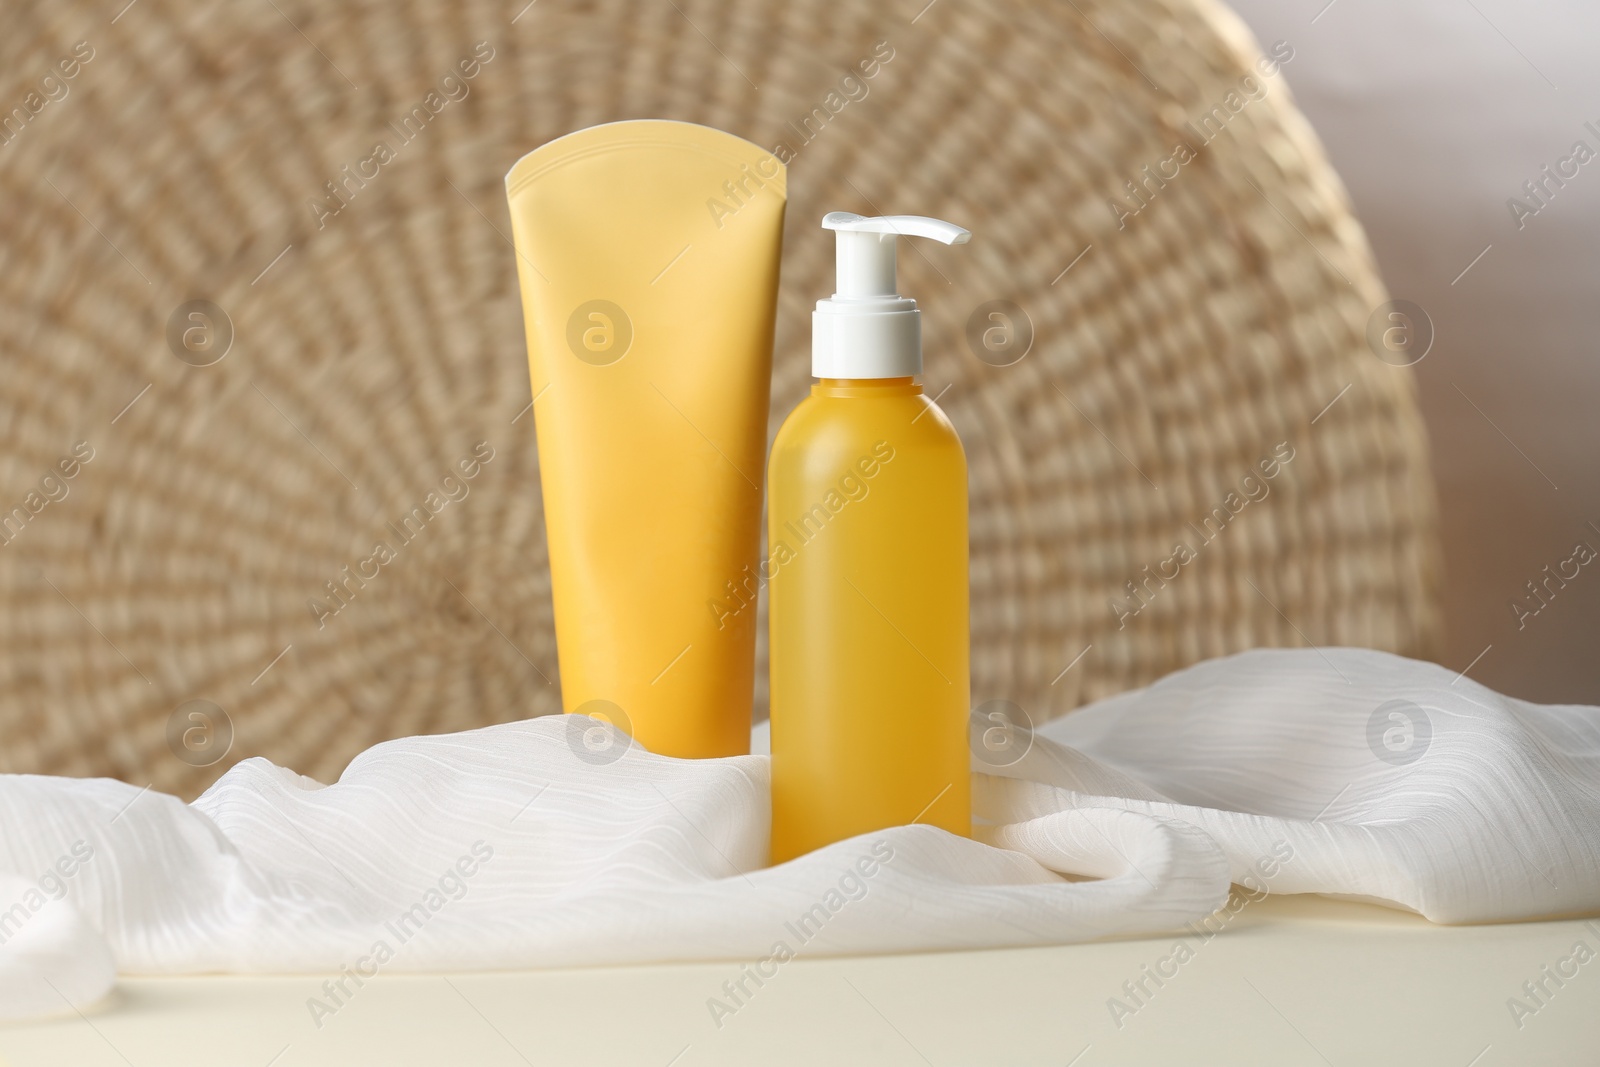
[{"x": 1338, "y": 771}]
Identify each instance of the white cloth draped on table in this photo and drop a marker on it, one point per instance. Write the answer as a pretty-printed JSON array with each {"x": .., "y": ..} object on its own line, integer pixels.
[{"x": 1339, "y": 771}]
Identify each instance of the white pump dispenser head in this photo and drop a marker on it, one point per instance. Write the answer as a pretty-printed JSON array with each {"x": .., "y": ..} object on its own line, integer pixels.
[{"x": 867, "y": 330}]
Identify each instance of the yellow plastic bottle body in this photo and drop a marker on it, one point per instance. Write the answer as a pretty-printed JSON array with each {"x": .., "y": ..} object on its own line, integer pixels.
[
  {"x": 648, "y": 257},
  {"x": 868, "y": 597}
]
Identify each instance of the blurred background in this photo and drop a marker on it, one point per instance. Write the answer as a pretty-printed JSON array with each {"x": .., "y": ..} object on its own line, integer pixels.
[
  {"x": 1435, "y": 114},
  {"x": 235, "y": 350}
]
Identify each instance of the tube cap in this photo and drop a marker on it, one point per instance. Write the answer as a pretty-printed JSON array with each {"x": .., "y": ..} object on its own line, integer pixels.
[{"x": 866, "y": 329}]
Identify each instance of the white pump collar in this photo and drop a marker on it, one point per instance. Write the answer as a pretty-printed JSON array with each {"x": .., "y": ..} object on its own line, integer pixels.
[{"x": 867, "y": 330}]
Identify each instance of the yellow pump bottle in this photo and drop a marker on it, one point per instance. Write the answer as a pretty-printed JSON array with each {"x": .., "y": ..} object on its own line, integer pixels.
[{"x": 867, "y": 570}]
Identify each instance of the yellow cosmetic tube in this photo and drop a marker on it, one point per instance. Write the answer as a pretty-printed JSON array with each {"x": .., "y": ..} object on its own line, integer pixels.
[{"x": 648, "y": 258}]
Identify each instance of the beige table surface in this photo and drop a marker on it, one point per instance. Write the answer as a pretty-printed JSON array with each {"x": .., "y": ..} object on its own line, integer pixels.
[{"x": 1291, "y": 980}]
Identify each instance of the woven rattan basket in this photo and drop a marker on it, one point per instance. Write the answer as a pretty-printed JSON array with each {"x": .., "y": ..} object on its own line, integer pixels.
[{"x": 162, "y": 613}]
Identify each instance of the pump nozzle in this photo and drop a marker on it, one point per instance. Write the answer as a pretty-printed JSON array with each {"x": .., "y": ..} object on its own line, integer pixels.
[
  {"x": 867, "y": 330},
  {"x": 867, "y": 247}
]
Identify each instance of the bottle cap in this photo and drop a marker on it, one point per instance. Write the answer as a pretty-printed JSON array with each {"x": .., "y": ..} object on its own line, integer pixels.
[{"x": 867, "y": 329}]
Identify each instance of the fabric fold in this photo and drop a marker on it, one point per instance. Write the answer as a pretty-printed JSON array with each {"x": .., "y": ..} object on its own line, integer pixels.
[{"x": 1337, "y": 771}]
